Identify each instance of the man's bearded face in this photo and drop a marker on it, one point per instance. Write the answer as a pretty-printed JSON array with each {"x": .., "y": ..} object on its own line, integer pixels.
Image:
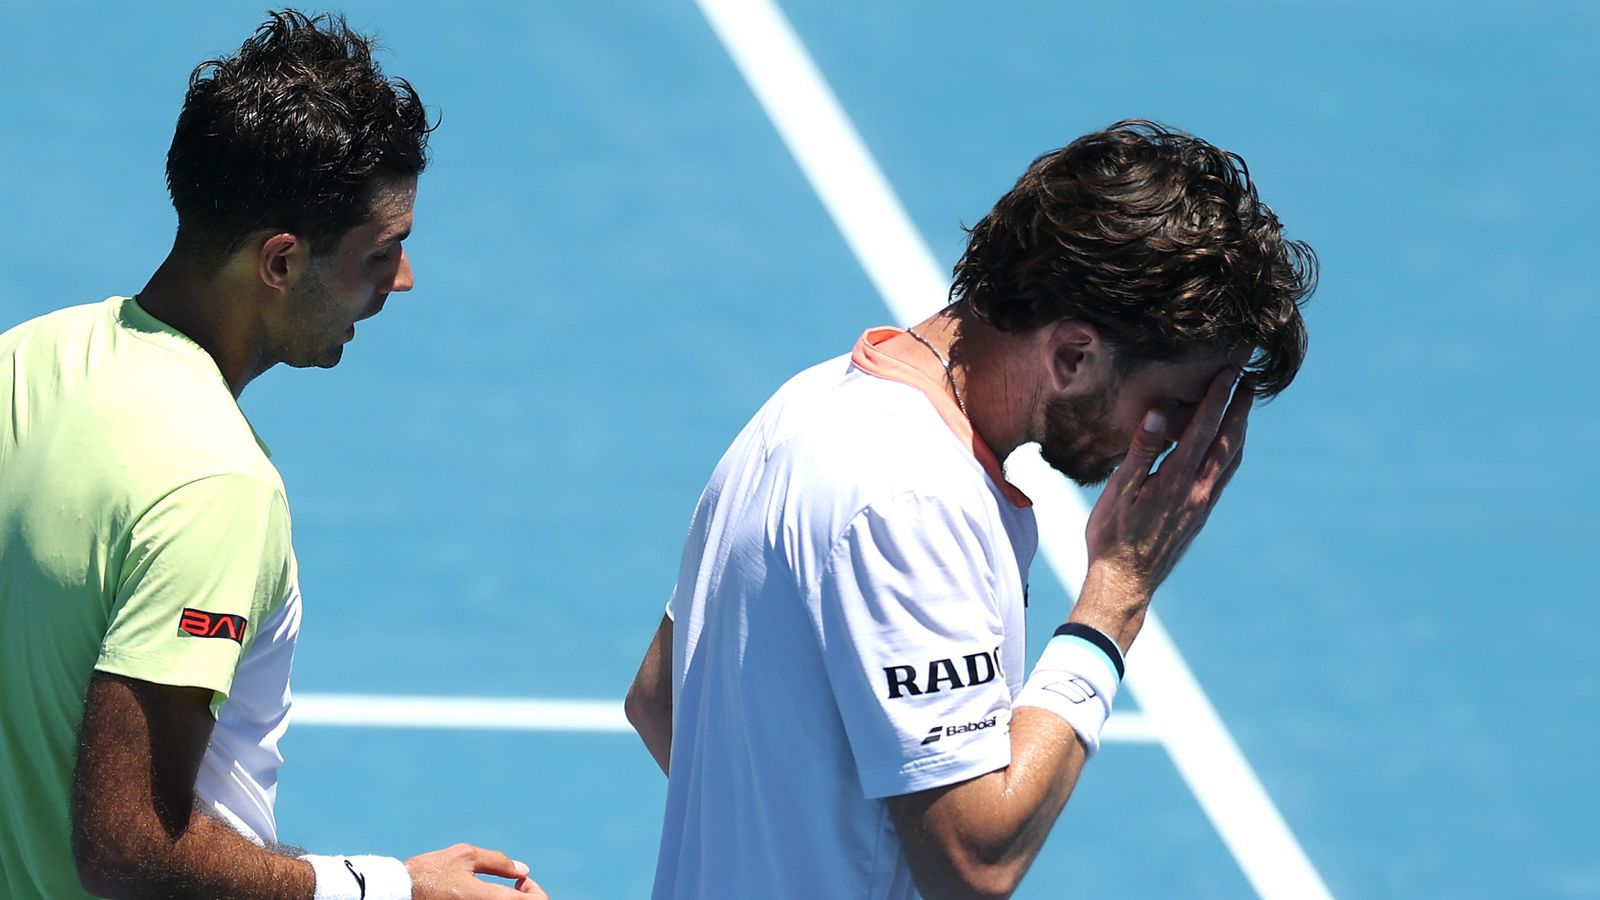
[{"x": 1079, "y": 440}]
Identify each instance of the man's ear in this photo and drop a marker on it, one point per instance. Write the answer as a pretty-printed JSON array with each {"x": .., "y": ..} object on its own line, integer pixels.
[
  {"x": 281, "y": 260},
  {"x": 1076, "y": 357}
]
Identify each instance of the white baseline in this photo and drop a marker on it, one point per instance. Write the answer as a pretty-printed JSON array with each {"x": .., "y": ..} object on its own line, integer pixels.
[
  {"x": 831, "y": 154},
  {"x": 517, "y": 714}
]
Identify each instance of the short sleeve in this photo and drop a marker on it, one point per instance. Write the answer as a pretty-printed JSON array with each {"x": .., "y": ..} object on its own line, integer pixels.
[
  {"x": 205, "y": 567},
  {"x": 911, "y": 636}
]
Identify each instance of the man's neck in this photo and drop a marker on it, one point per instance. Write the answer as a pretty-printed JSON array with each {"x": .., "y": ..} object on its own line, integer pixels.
[
  {"x": 200, "y": 304},
  {"x": 986, "y": 373}
]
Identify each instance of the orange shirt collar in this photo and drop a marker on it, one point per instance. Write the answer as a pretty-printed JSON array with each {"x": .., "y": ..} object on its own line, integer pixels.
[{"x": 869, "y": 357}]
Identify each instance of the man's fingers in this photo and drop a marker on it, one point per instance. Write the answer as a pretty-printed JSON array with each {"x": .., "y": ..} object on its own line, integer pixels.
[
  {"x": 531, "y": 887},
  {"x": 1227, "y": 476},
  {"x": 1196, "y": 440},
  {"x": 1244, "y": 400},
  {"x": 522, "y": 890},
  {"x": 483, "y": 890},
  {"x": 493, "y": 862},
  {"x": 1230, "y": 434},
  {"x": 453, "y": 871},
  {"x": 1149, "y": 442}
]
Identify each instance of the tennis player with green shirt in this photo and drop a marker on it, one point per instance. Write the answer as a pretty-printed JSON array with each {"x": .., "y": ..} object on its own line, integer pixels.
[{"x": 148, "y": 590}]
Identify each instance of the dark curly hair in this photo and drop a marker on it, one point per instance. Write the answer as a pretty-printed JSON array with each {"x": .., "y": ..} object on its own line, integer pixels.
[
  {"x": 1154, "y": 236},
  {"x": 289, "y": 133}
]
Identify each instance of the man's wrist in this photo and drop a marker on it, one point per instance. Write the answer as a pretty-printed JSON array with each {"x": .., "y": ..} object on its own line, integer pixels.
[
  {"x": 360, "y": 877},
  {"x": 1076, "y": 678},
  {"x": 1113, "y": 602},
  {"x": 1100, "y": 641}
]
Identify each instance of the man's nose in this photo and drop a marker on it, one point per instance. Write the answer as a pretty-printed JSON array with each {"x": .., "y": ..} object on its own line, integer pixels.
[{"x": 404, "y": 280}]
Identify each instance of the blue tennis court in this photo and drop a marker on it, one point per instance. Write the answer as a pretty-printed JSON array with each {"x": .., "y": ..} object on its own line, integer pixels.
[{"x": 621, "y": 250}]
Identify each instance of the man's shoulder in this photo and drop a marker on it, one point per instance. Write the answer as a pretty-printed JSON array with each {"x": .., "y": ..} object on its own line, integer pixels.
[
  {"x": 860, "y": 426},
  {"x": 834, "y": 401},
  {"x": 67, "y": 322},
  {"x": 142, "y": 406},
  {"x": 174, "y": 443},
  {"x": 849, "y": 441}
]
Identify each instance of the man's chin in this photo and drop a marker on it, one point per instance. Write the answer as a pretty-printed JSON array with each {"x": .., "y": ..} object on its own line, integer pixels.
[
  {"x": 1097, "y": 479},
  {"x": 1081, "y": 473},
  {"x": 325, "y": 360}
]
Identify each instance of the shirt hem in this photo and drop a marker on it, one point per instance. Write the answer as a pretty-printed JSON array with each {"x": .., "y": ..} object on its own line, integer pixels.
[
  {"x": 164, "y": 672},
  {"x": 931, "y": 772}
]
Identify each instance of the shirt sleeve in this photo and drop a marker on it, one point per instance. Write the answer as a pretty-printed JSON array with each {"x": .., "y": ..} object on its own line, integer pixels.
[
  {"x": 911, "y": 634},
  {"x": 205, "y": 567}
]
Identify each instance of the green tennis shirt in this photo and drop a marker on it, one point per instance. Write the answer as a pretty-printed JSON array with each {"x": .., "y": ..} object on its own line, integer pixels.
[{"x": 143, "y": 532}]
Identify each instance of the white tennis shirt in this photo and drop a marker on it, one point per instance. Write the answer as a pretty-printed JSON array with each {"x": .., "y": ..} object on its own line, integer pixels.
[
  {"x": 238, "y": 778},
  {"x": 848, "y": 626}
]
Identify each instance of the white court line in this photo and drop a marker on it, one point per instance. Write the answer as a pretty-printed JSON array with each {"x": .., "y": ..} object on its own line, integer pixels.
[
  {"x": 841, "y": 170},
  {"x": 477, "y": 713},
  {"x": 511, "y": 714}
]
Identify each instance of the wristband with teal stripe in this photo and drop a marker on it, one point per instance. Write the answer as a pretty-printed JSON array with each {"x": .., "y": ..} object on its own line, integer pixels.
[{"x": 1099, "y": 640}]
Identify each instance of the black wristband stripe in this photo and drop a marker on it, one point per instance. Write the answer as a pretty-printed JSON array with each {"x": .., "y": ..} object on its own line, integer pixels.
[{"x": 1096, "y": 637}]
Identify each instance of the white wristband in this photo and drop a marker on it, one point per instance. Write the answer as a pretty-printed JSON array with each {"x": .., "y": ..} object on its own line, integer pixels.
[
  {"x": 360, "y": 878},
  {"x": 1077, "y": 681}
]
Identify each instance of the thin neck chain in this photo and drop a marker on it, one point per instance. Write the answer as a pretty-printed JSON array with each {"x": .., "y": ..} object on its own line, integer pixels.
[{"x": 947, "y": 373}]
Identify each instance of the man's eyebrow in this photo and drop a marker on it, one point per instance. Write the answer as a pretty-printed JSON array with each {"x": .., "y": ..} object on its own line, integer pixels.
[{"x": 396, "y": 237}]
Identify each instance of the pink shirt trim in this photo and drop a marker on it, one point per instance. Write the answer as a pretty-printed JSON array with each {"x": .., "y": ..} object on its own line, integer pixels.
[{"x": 869, "y": 357}]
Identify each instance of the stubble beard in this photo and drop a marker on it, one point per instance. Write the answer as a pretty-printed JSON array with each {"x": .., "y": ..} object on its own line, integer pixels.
[
  {"x": 316, "y": 337},
  {"x": 1075, "y": 430}
]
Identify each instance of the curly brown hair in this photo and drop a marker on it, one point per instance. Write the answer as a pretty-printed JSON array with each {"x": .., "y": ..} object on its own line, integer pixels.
[{"x": 1154, "y": 236}]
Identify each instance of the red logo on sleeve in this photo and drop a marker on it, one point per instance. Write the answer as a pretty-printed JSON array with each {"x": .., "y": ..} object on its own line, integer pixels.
[{"x": 200, "y": 623}]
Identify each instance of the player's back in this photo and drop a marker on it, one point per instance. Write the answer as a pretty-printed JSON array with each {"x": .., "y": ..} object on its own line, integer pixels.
[{"x": 103, "y": 411}]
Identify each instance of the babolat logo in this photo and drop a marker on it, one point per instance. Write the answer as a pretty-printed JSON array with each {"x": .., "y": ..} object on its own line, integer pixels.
[
  {"x": 942, "y": 674},
  {"x": 200, "y": 623},
  {"x": 941, "y": 731}
]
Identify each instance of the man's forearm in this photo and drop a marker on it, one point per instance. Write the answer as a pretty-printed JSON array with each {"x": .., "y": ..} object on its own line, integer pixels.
[
  {"x": 136, "y": 832},
  {"x": 978, "y": 838},
  {"x": 1046, "y": 759},
  {"x": 209, "y": 860}
]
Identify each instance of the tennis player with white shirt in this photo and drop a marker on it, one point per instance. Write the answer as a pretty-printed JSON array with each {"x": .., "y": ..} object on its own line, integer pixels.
[{"x": 838, "y": 691}]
